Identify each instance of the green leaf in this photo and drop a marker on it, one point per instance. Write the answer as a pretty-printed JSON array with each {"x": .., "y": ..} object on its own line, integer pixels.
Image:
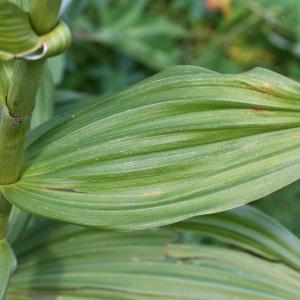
[
  {"x": 68, "y": 262},
  {"x": 16, "y": 35},
  {"x": 7, "y": 265},
  {"x": 6, "y": 69},
  {"x": 18, "y": 221},
  {"x": 185, "y": 142},
  {"x": 249, "y": 229},
  {"x": 18, "y": 39},
  {"x": 56, "y": 66},
  {"x": 44, "y": 107}
]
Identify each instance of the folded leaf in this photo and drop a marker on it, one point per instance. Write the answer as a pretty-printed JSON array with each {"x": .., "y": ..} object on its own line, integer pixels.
[
  {"x": 16, "y": 35},
  {"x": 18, "y": 39},
  {"x": 6, "y": 69},
  {"x": 7, "y": 265},
  {"x": 249, "y": 229},
  {"x": 69, "y": 262},
  {"x": 185, "y": 142}
]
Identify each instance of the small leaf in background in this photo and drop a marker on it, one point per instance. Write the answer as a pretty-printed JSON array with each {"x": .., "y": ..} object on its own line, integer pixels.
[
  {"x": 284, "y": 206},
  {"x": 126, "y": 27},
  {"x": 185, "y": 142}
]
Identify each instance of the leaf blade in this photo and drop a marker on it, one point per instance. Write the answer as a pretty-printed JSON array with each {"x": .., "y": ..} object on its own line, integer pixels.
[
  {"x": 249, "y": 229},
  {"x": 7, "y": 265},
  {"x": 184, "y": 143},
  {"x": 141, "y": 265}
]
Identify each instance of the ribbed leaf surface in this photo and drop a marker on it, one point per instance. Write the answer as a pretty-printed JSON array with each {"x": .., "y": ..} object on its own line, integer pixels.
[
  {"x": 44, "y": 106},
  {"x": 16, "y": 35},
  {"x": 185, "y": 142},
  {"x": 67, "y": 262},
  {"x": 248, "y": 229}
]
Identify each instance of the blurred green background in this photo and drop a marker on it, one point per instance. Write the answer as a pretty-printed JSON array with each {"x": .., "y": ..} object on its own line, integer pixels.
[{"x": 119, "y": 42}]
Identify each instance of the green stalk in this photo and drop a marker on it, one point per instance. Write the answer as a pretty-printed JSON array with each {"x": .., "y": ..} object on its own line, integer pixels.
[
  {"x": 23, "y": 87},
  {"x": 15, "y": 120},
  {"x": 14, "y": 126},
  {"x": 16, "y": 116}
]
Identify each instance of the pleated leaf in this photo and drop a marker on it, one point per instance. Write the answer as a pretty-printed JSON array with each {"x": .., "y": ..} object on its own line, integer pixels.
[
  {"x": 67, "y": 262},
  {"x": 185, "y": 142},
  {"x": 16, "y": 35},
  {"x": 249, "y": 229}
]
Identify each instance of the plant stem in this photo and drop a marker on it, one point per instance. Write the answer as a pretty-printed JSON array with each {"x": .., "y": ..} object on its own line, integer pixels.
[
  {"x": 14, "y": 126},
  {"x": 17, "y": 111},
  {"x": 16, "y": 114},
  {"x": 5, "y": 208},
  {"x": 23, "y": 87},
  {"x": 15, "y": 120},
  {"x": 13, "y": 132}
]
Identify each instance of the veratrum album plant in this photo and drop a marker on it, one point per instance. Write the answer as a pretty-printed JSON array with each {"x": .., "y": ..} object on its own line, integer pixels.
[{"x": 187, "y": 144}]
